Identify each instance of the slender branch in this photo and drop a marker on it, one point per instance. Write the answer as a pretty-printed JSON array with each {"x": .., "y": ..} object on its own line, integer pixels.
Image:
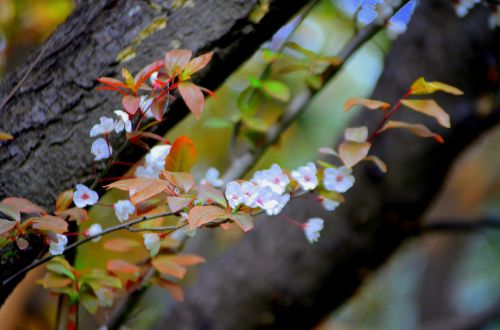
[
  {"x": 163, "y": 228},
  {"x": 460, "y": 225},
  {"x": 244, "y": 162},
  {"x": 88, "y": 239}
]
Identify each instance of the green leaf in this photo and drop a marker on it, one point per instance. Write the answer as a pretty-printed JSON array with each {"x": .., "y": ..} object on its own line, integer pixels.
[
  {"x": 255, "y": 123},
  {"x": 298, "y": 48},
  {"x": 314, "y": 81},
  {"x": 60, "y": 269},
  {"x": 90, "y": 302},
  {"x": 248, "y": 101},
  {"x": 276, "y": 89}
]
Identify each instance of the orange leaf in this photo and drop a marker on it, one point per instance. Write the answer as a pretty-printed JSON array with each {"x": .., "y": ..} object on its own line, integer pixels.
[
  {"x": 370, "y": 104},
  {"x": 182, "y": 156},
  {"x": 352, "y": 153},
  {"x": 121, "y": 244},
  {"x": 140, "y": 189},
  {"x": 64, "y": 200},
  {"x": 417, "y": 129},
  {"x": 196, "y": 64},
  {"x": 23, "y": 205},
  {"x": 145, "y": 73},
  {"x": 131, "y": 103},
  {"x": 112, "y": 82},
  {"x": 356, "y": 134},
  {"x": 429, "y": 108},
  {"x": 122, "y": 266},
  {"x": 6, "y": 225},
  {"x": 178, "y": 203},
  {"x": 193, "y": 97},
  {"x": 176, "y": 60},
  {"x": 51, "y": 223},
  {"x": 200, "y": 215},
  {"x": 164, "y": 265}
]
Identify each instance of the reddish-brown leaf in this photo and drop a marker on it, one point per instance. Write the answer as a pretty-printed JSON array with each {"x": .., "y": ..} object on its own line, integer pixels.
[
  {"x": 173, "y": 289},
  {"x": 429, "y": 108},
  {"x": 145, "y": 73},
  {"x": 182, "y": 156},
  {"x": 244, "y": 220},
  {"x": 112, "y": 82},
  {"x": 197, "y": 63},
  {"x": 352, "y": 153},
  {"x": 23, "y": 205},
  {"x": 417, "y": 129},
  {"x": 122, "y": 266},
  {"x": 176, "y": 60},
  {"x": 186, "y": 259},
  {"x": 422, "y": 87},
  {"x": 22, "y": 243},
  {"x": 74, "y": 214},
  {"x": 182, "y": 180},
  {"x": 131, "y": 103},
  {"x": 200, "y": 215},
  {"x": 121, "y": 244},
  {"x": 10, "y": 212},
  {"x": 208, "y": 193},
  {"x": 193, "y": 97}
]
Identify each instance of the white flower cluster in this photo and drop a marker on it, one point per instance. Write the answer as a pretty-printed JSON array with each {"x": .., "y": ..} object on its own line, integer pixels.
[
  {"x": 57, "y": 248},
  {"x": 154, "y": 162},
  {"x": 101, "y": 149},
  {"x": 212, "y": 178}
]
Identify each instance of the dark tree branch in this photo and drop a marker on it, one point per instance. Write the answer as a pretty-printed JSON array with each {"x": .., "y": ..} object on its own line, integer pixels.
[
  {"x": 273, "y": 277},
  {"x": 458, "y": 226}
]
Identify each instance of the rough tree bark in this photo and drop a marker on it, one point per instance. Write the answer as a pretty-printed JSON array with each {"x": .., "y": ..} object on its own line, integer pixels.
[
  {"x": 56, "y": 104},
  {"x": 273, "y": 278}
]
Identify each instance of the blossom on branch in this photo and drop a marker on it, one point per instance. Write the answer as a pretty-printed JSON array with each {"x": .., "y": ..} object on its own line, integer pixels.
[
  {"x": 338, "y": 179},
  {"x": 152, "y": 243},
  {"x": 106, "y": 126},
  {"x": 123, "y": 209},
  {"x": 212, "y": 178},
  {"x": 154, "y": 162},
  {"x": 84, "y": 196},
  {"x": 123, "y": 122},
  {"x": 273, "y": 178},
  {"x": 93, "y": 230},
  {"x": 101, "y": 149},
  {"x": 57, "y": 248},
  {"x": 306, "y": 176},
  {"x": 329, "y": 204},
  {"x": 312, "y": 229}
]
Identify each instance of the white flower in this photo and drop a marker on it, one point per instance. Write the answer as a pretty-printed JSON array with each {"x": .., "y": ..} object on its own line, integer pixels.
[
  {"x": 394, "y": 29},
  {"x": 106, "y": 126},
  {"x": 152, "y": 243},
  {"x": 306, "y": 176},
  {"x": 57, "y": 248},
  {"x": 329, "y": 204},
  {"x": 273, "y": 178},
  {"x": 234, "y": 194},
  {"x": 123, "y": 122},
  {"x": 212, "y": 178},
  {"x": 84, "y": 196},
  {"x": 145, "y": 106},
  {"x": 270, "y": 201},
  {"x": 95, "y": 229},
  {"x": 367, "y": 14},
  {"x": 339, "y": 180},
  {"x": 250, "y": 192},
  {"x": 312, "y": 229},
  {"x": 123, "y": 209},
  {"x": 154, "y": 162},
  {"x": 101, "y": 149}
]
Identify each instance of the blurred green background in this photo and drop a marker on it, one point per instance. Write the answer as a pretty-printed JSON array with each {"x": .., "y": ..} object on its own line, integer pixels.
[{"x": 396, "y": 296}]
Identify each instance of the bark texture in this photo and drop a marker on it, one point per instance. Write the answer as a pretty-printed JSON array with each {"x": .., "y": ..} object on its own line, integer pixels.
[
  {"x": 273, "y": 278},
  {"x": 56, "y": 104}
]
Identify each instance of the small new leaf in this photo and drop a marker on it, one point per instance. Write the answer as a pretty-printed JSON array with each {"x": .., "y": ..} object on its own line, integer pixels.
[
  {"x": 356, "y": 134},
  {"x": 370, "y": 104},
  {"x": 429, "y": 108},
  {"x": 352, "y": 153},
  {"x": 422, "y": 87},
  {"x": 417, "y": 129}
]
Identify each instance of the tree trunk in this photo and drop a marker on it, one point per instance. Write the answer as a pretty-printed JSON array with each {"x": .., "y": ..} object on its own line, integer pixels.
[
  {"x": 54, "y": 107},
  {"x": 272, "y": 277}
]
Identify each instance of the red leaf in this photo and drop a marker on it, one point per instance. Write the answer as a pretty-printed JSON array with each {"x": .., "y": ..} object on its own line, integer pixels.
[
  {"x": 6, "y": 226},
  {"x": 178, "y": 203},
  {"x": 184, "y": 181},
  {"x": 176, "y": 60},
  {"x": 64, "y": 200},
  {"x": 140, "y": 189},
  {"x": 145, "y": 73},
  {"x": 193, "y": 97},
  {"x": 131, "y": 104},
  {"x": 182, "y": 156},
  {"x": 167, "y": 267},
  {"x": 50, "y": 223},
  {"x": 112, "y": 82},
  {"x": 186, "y": 259}
]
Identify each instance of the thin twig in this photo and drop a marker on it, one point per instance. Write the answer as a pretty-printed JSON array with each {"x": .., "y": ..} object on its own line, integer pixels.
[{"x": 445, "y": 226}]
